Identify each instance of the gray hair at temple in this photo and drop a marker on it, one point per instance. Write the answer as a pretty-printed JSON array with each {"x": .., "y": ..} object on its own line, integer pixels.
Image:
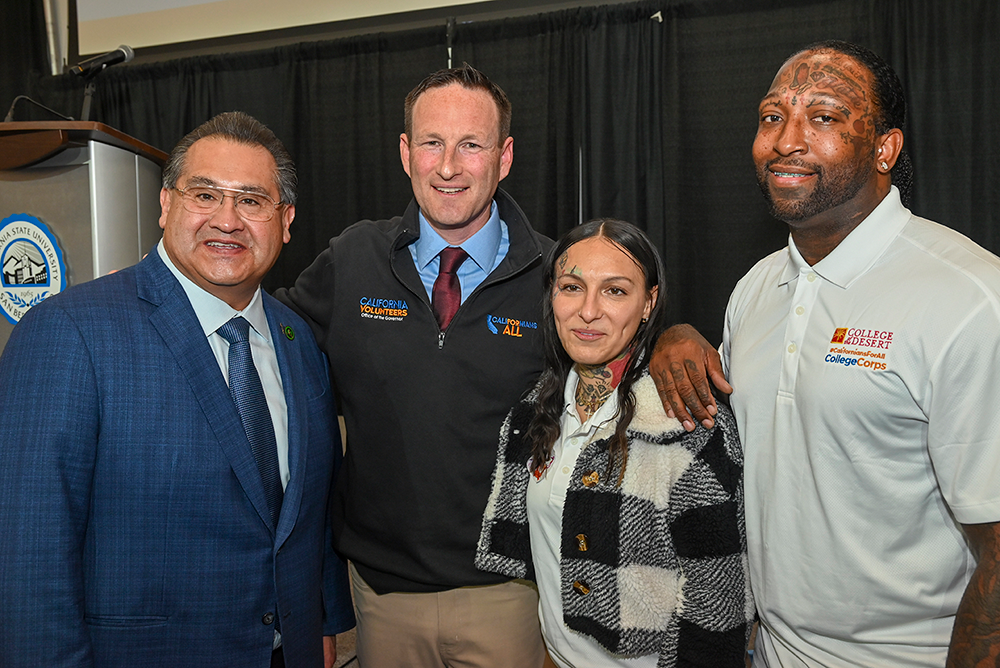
[{"x": 241, "y": 128}]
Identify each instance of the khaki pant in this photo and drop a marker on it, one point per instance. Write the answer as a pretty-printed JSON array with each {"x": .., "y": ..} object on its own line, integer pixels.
[{"x": 493, "y": 626}]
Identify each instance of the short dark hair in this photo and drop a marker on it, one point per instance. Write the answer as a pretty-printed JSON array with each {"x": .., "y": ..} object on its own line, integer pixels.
[
  {"x": 468, "y": 77},
  {"x": 888, "y": 101},
  {"x": 545, "y": 424},
  {"x": 241, "y": 128}
]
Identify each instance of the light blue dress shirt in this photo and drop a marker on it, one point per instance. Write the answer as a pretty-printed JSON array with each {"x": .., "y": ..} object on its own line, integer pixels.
[
  {"x": 213, "y": 313},
  {"x": 486, "y": 248}
]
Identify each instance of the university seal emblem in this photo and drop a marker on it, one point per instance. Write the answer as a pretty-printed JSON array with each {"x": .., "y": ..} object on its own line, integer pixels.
[{"x": 32, "y": 262}]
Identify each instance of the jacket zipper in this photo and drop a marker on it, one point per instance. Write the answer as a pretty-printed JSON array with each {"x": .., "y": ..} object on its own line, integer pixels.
[
  {"x": 482, "y": 286},
  {"x": 486, "y": 283}
]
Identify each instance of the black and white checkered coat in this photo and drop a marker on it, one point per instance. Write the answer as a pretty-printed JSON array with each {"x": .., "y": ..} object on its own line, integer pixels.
[{"x": 664, "y": 570}]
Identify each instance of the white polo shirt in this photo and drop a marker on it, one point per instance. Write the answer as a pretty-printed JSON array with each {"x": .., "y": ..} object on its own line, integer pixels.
[{"x": 868, "y": 402}]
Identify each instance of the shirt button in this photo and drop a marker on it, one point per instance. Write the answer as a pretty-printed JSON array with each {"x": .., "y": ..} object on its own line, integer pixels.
[
  {"x": 799, "y": 310},
  {"x": 267, "y": 619},
  {"x": 811, "y": 277},
  {"x": 566, "y": 469},
  {"x": 792, "y": 348}
]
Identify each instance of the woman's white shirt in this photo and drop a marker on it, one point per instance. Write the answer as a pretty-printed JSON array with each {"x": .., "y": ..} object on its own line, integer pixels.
[{"x": 545, "y": 499}]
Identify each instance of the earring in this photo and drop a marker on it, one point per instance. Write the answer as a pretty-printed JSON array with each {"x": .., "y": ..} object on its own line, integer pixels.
[
  {"x": 645, "y": 319},
  {"x": 884, "y": 165},
  {"x": 880, "y": 151}
]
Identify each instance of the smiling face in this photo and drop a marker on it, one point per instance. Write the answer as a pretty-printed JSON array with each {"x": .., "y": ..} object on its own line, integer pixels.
[
  {"x": 598, "y": 301},
  {"x": 220, "y": 252},
  {"x": 816, "y": 149},
  {"x": 455, "y": 159}
]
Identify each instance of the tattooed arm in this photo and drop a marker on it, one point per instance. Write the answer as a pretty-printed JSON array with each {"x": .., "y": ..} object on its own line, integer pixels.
[
  {"x": 975, "y": 641},
  {"x": 683, "y": 364}
]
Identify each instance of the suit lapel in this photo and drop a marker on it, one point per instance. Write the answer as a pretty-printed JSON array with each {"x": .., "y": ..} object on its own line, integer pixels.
[
  {"x": 177, "y": 324},
  {"x": 290, "y": 363}
]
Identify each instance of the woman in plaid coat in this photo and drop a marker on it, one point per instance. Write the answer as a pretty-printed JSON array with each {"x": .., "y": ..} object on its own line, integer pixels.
[{"x": 631, "y": 526}]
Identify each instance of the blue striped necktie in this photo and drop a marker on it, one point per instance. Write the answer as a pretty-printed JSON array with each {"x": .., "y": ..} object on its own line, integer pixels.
[{"x": 248, "y": 393}]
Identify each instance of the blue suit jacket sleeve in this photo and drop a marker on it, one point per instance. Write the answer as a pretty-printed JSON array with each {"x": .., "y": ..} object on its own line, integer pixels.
[
  {"x": 337, "y": 603},
  {"x": 304, "y": 366},
  {"x": 48, "y": 397}
]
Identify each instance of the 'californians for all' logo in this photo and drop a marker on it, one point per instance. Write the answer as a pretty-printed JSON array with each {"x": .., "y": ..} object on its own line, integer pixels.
[
  {"x": 32, "y": 264},
  {"x": 859, "y": 347},
  {"x": 509, "y": 326}
]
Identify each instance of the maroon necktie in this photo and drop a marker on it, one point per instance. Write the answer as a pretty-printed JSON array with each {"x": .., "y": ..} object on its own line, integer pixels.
[{"x": 447, "y": 293}]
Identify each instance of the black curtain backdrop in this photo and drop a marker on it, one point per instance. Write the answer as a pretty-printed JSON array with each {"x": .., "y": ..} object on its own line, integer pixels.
[
  {"x": 23, "y": 49},
  {"x": 641, "y": 111}
]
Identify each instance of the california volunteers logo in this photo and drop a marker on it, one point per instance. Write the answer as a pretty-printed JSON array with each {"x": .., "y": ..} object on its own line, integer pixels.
[{"x": 384, "y": 309}]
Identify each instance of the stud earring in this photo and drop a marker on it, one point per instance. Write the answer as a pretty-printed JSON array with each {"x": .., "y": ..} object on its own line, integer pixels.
[{"x": 884, "y": 165}]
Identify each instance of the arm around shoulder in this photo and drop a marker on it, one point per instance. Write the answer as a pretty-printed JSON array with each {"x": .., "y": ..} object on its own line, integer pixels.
[
  {"x": 682, "y": 366},
  {"x": 311, "y": 297}
]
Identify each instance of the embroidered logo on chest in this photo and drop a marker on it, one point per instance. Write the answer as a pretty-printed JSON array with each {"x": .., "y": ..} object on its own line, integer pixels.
[
  {"x": 383, "y": 309},
  {"x": 859, "y": 347},
  {"x": 509, "y": 326}
]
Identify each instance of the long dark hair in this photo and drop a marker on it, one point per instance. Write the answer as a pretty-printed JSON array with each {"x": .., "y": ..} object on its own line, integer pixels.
[{"x": 544, "y": 428}]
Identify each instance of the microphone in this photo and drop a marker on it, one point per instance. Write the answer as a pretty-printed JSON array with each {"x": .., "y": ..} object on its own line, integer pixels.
[{"x": 122, "y": 54}]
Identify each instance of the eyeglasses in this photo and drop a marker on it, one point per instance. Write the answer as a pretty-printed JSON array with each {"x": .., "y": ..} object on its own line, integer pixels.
[{"x": 257, "y": 207}]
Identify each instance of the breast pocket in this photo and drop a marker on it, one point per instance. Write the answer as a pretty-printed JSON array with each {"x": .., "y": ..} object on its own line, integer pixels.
[{"x": 125, "y": 621}]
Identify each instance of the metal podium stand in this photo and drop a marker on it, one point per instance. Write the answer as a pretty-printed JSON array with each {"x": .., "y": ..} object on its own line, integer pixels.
[{"x": 78, "y": 200}]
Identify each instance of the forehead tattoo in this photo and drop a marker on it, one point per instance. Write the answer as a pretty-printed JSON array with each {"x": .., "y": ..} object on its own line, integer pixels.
[
  {"x": 844, "y": 81},
  {"x": 818, "y": 77},
  {"x": 561, "y": 264}
]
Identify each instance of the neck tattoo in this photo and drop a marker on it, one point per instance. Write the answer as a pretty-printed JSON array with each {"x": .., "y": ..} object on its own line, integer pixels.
[
  {"x": 591, "y": 395},
  {"x": 597, "y": 383}
]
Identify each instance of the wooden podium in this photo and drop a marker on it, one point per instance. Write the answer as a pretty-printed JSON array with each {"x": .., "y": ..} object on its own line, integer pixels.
[{"x": 78, "y": 199}]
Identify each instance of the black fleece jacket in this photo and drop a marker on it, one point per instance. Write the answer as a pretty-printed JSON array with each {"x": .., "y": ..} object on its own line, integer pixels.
[{"x": 423, "y": 409}]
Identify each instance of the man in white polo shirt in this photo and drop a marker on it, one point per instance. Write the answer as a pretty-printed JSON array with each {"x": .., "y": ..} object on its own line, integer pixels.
[{"x": 862, "y": 360}]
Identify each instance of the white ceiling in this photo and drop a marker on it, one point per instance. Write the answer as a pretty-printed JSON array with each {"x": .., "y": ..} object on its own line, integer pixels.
[{"x": 104, "y": 24}]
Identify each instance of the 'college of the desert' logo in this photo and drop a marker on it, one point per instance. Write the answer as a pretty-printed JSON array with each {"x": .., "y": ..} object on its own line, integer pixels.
[{"x": 32, "y": 265}]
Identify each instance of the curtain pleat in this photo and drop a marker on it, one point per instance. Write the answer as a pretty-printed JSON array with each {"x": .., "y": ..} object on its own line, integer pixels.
[{"x": 644, "y": 111}]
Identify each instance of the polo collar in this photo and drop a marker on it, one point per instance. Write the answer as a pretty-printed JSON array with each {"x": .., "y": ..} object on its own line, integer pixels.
[{"x": 859, "y": 251}]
